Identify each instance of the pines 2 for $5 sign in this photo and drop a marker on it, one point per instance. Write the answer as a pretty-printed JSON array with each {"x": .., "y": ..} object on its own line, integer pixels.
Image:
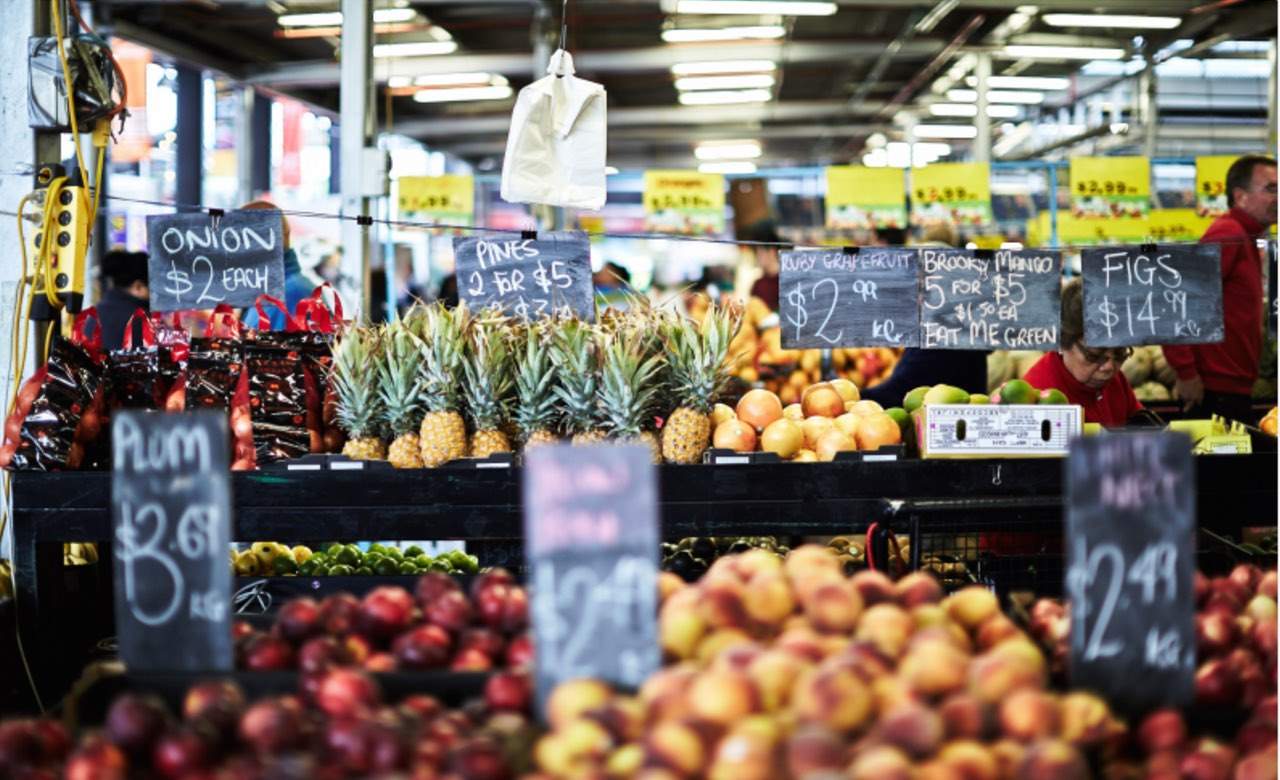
[{"x": 527, "y": 276}]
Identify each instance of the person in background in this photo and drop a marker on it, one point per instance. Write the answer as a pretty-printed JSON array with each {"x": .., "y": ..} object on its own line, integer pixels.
[
  {"x": 941, "y": 234},
  {"x": 1218, "y": 378},
  {"x": 296, "y": 285},
  {"x": 1088, "y": 377},
  {"x": 449, "y": 291},
  {"x": 612, "y": 285},
  {"x": 766, "y": 287},
  {"x": 891, "y": 236},
  {"x": 124, "y": 290}
]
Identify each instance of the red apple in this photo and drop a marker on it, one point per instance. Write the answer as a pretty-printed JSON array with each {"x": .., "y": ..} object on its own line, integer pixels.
[
  {"x": 381, "y": 661},
  {"x": 388, "y": 748},
  {"x": 432, "y": 586},
  {"x": 451, "y": 611},
  {"x": 345, "y": 693},
  {"x": 265, "y": 653},
  {"x": 338, "y": 613},
  {"x": 96, "y": 759},
  {"x": 134, "y": 722},
  {"x": 320, "y": 653},
  {"x": 19, "y": 745},
  {"x": 1215, "y": 634},
  {"x": 490, "y": 602},
  {"x": 425, "y": 647},
  {"x": 515, "y": 610},
  {"x": 298, "y": 619},
  {"x": 1255, "y": 735},
  {"x": 421, "y": 705},
  {"x": 1215, "y": 683},
  {"x": 181, "y": 752},
  {"x": 1201, "y": 588},
  {"x": 471, "y": 659},
  {"x": 347, "y": 743},
  {"x": 55, "y": 742},
  {"x": 385, "y": 611},
  {"x": 520, "y": 651},
  {"x": 512, "y": 691},
  {"x": 485, "y": 640},
  {"x": 270, "y": 726},
  {"x": 1267, "y": 584},
  {"x": 494, "y": 576},
  {"x": 479, "y": 758},
  {"x": 357, "y": 649},
  {"x": 1162, "y": 730},
  {"x": 1247, "y": 576}
]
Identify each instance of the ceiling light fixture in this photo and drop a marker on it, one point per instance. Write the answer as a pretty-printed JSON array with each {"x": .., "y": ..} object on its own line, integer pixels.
[
  {"x": 730, "y": 166},
  {"x": 457, "y": 94},
  {"x": 1030, "y": 52},
  {"x": 748, "y": 81},
  {"x": 728, "y": 150},
  {"x": 723, "y": 66},
  {"x": 701, "y": 34},
  {"x": 1046, "y": 83},
  {"x": 334, "y": 18},
  {"x": 970, "y": 109},
  {"x": 1127, "y": 21},
  {"x": 996, "y": 96},
  {"x": 761, "y": 7},
  {"x": 459, "y": 80},
  {"x": 726, "y": 97},
  {"x": 414, "y": 49},
  {"x": 945, "y": 131}
]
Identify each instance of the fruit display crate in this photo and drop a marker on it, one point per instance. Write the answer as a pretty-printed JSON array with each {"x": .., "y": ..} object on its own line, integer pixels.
[{"x": 482, "y": 507}]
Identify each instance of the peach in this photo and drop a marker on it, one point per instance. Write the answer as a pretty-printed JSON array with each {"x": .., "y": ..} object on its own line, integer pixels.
[
  {"x": 864, "y": 658},
  {"x": 625, "y": 761},
  {"x": 917, "y": 588},
  {"x": 814, "y": 749},
  {"x": 1086, "y": 719},
  {"x": 833, "y": 607},
  {"x": 768, "y": 598},
  {"x": 1028, "y": 714},
  {"x": 748, "y": 752},
  {"x": 723, "y": 696},
  {"x": 552, "y": 755},
  {"x": 571, "y": 699},
  {"x": 814, "y": 428},
  {"x": 719, "y": 641},
  {"x": 972, "y": 605},
  {"x": 1008, "y": 755},
  {"x": 810, "y": 557},
  {"x": 806, "y": 584},
  {"x": 774, "y": 672},
  {"x": 995, "y": 630},
  {"x": 929, "y": 615},
  {"x": 801, "y": 643},
  {"x": 623, "y": 718},
  {"x": 948, "y": 632},
  {"x": 675, "y": 746},
  {"x": 912, "y": 727},
  {"x": 890, "y": 691},
  {"x": 663, "y": 694},
  {"x": 881, "y": 762},
  {"x": 1162, "y": 730},
  {"x": 965, "y": 716},
  {"x": 668, "y": 585},
  {"x": 1052, "y": 759},
  {"x": 972, "y": 759},
  {"x": 873, "y": 586},
  {"x": 934, "y": 668},
  {"x": 585, "y": 738},
  {"x": 887, "y": 627},
  {"x": 1004, "y": 669},
  {"x": 1258, "y": 766},
  {"x": 680, "y": 630},
  {"x": 737, "y": 658},
  {"x": 721, "y": 603},
  {"x": 938, "y": 770},
  {"x": 756, "y": 561},
  {"x": 836, "y": 698}
]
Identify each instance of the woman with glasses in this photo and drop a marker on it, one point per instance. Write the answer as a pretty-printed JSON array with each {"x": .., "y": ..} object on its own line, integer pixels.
[{"x": 1089, "y": 377}]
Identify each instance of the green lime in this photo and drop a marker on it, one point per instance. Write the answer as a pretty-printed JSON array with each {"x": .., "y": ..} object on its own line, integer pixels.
[
  {"x": 283, "y": 564},
  {"x": 1053, "y": 396},
  {"x": 341, "y": 570},
  {"x": 914, "y": 399},
  {"x": 422, "y": 560},
  {"x": 441, "y": 565},
  {"x": 319, "y": 570},
  {"x": 408, "y": 567},
  {"x": 395, "y": 554},
  {"x": 386, "y": 567},
  {"x": 377, "y": 547},
  {"x": 413, "y": 551},
  {"x": 333, "y": 549},
  {"x": 1018, "y": 391},
  {"x": 457, "y": 558},
  {"x": 347, "y": 556},
  {"x": 364, "y": 571},
  {"x": 371, "y": 558},
  {"x": 307, "y": 567},
  {"x": 469, "y": 565}
]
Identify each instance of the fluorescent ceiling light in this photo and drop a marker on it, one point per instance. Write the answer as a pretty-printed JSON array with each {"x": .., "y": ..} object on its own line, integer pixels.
[
  {"x": 1112, "y": 20},
  {"x": 453, "y": 94},
  {"x": 931, "y": 19},
  {"x": 334, "y": 18},
  {"x": 699, "y": 34},
  {"x": 609, "y": 170},
  {"x": 728, "y": 150},
  {"x": 454, "y": 79},
  {"x": 1046, "y": 83},
  {"x": 723, "y": 66},
  {"x": 748, "y": 81},
  {"x": 995, "y": 111},
  {"x": 414, "y": 49},
  {"x": 1023, "y": 51},
  {"x": 398, "y": 82},
  {"x": 945, "y": 131},
  {"x": 733, "y": 166},
  {"x": 762, "y": 7},
  {"x": 995, "y": 96},
  {"x": 721, "y": 98}
]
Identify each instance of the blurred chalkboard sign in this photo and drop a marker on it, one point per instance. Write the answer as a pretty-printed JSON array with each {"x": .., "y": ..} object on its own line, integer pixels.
[
  {"x": 990, "y": 299},
  {"x": 1154, "y": 294},
  {"x": 865, "y": 297}
]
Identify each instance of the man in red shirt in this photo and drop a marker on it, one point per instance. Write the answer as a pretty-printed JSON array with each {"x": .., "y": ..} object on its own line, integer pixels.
[{"x": 1218, "y": 378}]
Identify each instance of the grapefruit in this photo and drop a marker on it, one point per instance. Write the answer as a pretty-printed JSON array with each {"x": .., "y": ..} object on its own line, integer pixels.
[
  {"x": 813, "y": 428},
  {"x": 805, "y": 456},
  {"x": 848, "y": 422},
  {"x": 758, "y": 408},
  {"x": 720, "y": 413},
  {"x": 734, "y": 435},
  {"x": 793, "y": 412},
  {"x": 784, "y": 437},
  {"x": 847, "y": 389},
  {"x": 866, "y": 407},
  {"x": 834, "y": 441},
  {"x": 822, "y": 399},
  {"x": 876, "y": 430}
]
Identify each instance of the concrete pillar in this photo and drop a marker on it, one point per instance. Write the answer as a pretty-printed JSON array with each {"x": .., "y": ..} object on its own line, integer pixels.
[
  {"x": 982, "y": 143},
  {"x": 190, "y": 131},
  {"x": 356, "y": 128}
]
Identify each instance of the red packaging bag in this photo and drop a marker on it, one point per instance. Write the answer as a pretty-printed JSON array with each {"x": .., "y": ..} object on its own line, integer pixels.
[
  {"x": 319, "y": 324},
  {"x": 277, "y": 389}
]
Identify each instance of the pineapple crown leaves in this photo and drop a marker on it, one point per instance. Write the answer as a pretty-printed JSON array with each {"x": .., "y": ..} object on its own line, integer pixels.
[
  {"x": 628, "y": 386},
  {"x": 575, "y": 351},
  {"x": 535, "y": 381},
  {"x": 696, "y": 355},
  {"x": 360, "y": 405},
  {"x": 488, "y": 370},
  {"x": 400, "y": 380},
  {"x": 441, "y": 335}
]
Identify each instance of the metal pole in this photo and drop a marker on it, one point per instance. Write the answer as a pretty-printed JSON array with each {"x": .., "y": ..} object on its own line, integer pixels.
[
  {"x": 1052, "y": 178},
  {"x": 356, "y": 117},
  {"x": 190, "y": 132},
  {"x": 982, "y": 143},
  {"x": 1272, "y": 87},
  {"x": 245, "y": 151},
  {"x": 1150, "y": 114}
]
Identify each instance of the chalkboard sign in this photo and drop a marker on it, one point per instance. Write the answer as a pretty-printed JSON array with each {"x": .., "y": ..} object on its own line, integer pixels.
[
  {"x": 1130, "y": 562},
  {"x": 1165, "y": 294},
  {"x": 1001, "y": 299},
  {"x": 198, "y": 261},
  {"x": 171, "y": 507},
  {"x": 591, "y": 541},
  {"x": 864, "y": 297},
  {"x": 526, "y": 276}
]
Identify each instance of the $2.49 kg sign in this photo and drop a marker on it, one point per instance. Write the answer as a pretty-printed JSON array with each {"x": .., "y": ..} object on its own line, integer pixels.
[
  {"x": 197, "y": 262},
  {"x": 1165, "y": 294},
  {"x": 524, "y": 276},
  {"x": 591, "y": 539},
  {"x": 170, "y": 502},
  {"x": 863, "y": 297},
  {"x": 1130, "y": 558}
]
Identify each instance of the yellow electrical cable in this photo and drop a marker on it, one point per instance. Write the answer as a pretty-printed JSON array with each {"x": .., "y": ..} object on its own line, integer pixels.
[{"x": 71, "y": 100}]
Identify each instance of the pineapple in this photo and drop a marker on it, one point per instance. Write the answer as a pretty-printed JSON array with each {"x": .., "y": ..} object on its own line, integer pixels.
[
  {"x": 400, "y": 391},
  {"x": 575, "y": 351},
  {"x": 487, "y": 367},
  {"x": 442, "y": 339},
  {"x": 535, "y": 384},
  {"x": 357, "y": 358},
  {"x": 629, "y": 389},
  {"x": 696, "y": 358}
]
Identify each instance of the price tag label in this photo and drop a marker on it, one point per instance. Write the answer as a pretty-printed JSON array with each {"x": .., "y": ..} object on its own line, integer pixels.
[
  {"x": 591, "y": 540},
  {"x": 1006, "y": 299},
  {"x": 1211, "y": 184},
  {"x": 1130, "y": 562},
  {"x": 439, "y": 198},
  {"x": 832, "y": 298},
  {"x": 1162, "y": 294},
  {"x": 526, "y": 277},
  {"x": 959, "y": 193},
  {"x": 1176, "y": 225},
  {"x": 198, "y": 262},
  {"x": 860, "y": 198},
  {"x": 686, "y": 202},
  {"x": 964, "y": 430},
  {"x": 1110, "y": 187},
  {"x": 171, "y": 508}
]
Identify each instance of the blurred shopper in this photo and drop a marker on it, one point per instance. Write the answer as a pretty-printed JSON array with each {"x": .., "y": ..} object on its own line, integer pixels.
[
  {"x": 1218, "y": 378},
  {"x": 941, "y": 234},
  {"x": 1089, "y": 377},
  {"x": 124, "y": 290},
  {"x": 766, "y": 287},
  {"x": 891, "y": 236},
  {"x": 296, "y": 285},
  {"x": 448, "y": 294},
  {"x": 612, "y": 285}
]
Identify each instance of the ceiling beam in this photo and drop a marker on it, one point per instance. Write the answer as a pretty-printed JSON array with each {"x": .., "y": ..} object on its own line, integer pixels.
[
  {"x": 640, "y": 138},
  {"x": 175, "y": 49},
  {"x": 654, "y": 58}
]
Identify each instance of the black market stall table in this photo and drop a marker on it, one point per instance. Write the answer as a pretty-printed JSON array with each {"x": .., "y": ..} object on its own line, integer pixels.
[{"x": 917, "y": 497}]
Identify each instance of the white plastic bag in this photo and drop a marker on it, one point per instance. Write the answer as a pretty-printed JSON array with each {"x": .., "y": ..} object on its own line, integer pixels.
[{"x": 556, "y": 146}]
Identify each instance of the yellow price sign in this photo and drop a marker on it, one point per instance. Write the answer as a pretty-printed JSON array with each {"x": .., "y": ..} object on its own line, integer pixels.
[
  {"x": 860, "y": 198},
  {"x": 1110, "y": 187},
  {"x": 686, "y": 202},
  {"x": 441, "y": 198},
  {"x": 959, "y": 193},
  {"x": 1211, "y": 184},
  {"x": 1177, "y": 224}
]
